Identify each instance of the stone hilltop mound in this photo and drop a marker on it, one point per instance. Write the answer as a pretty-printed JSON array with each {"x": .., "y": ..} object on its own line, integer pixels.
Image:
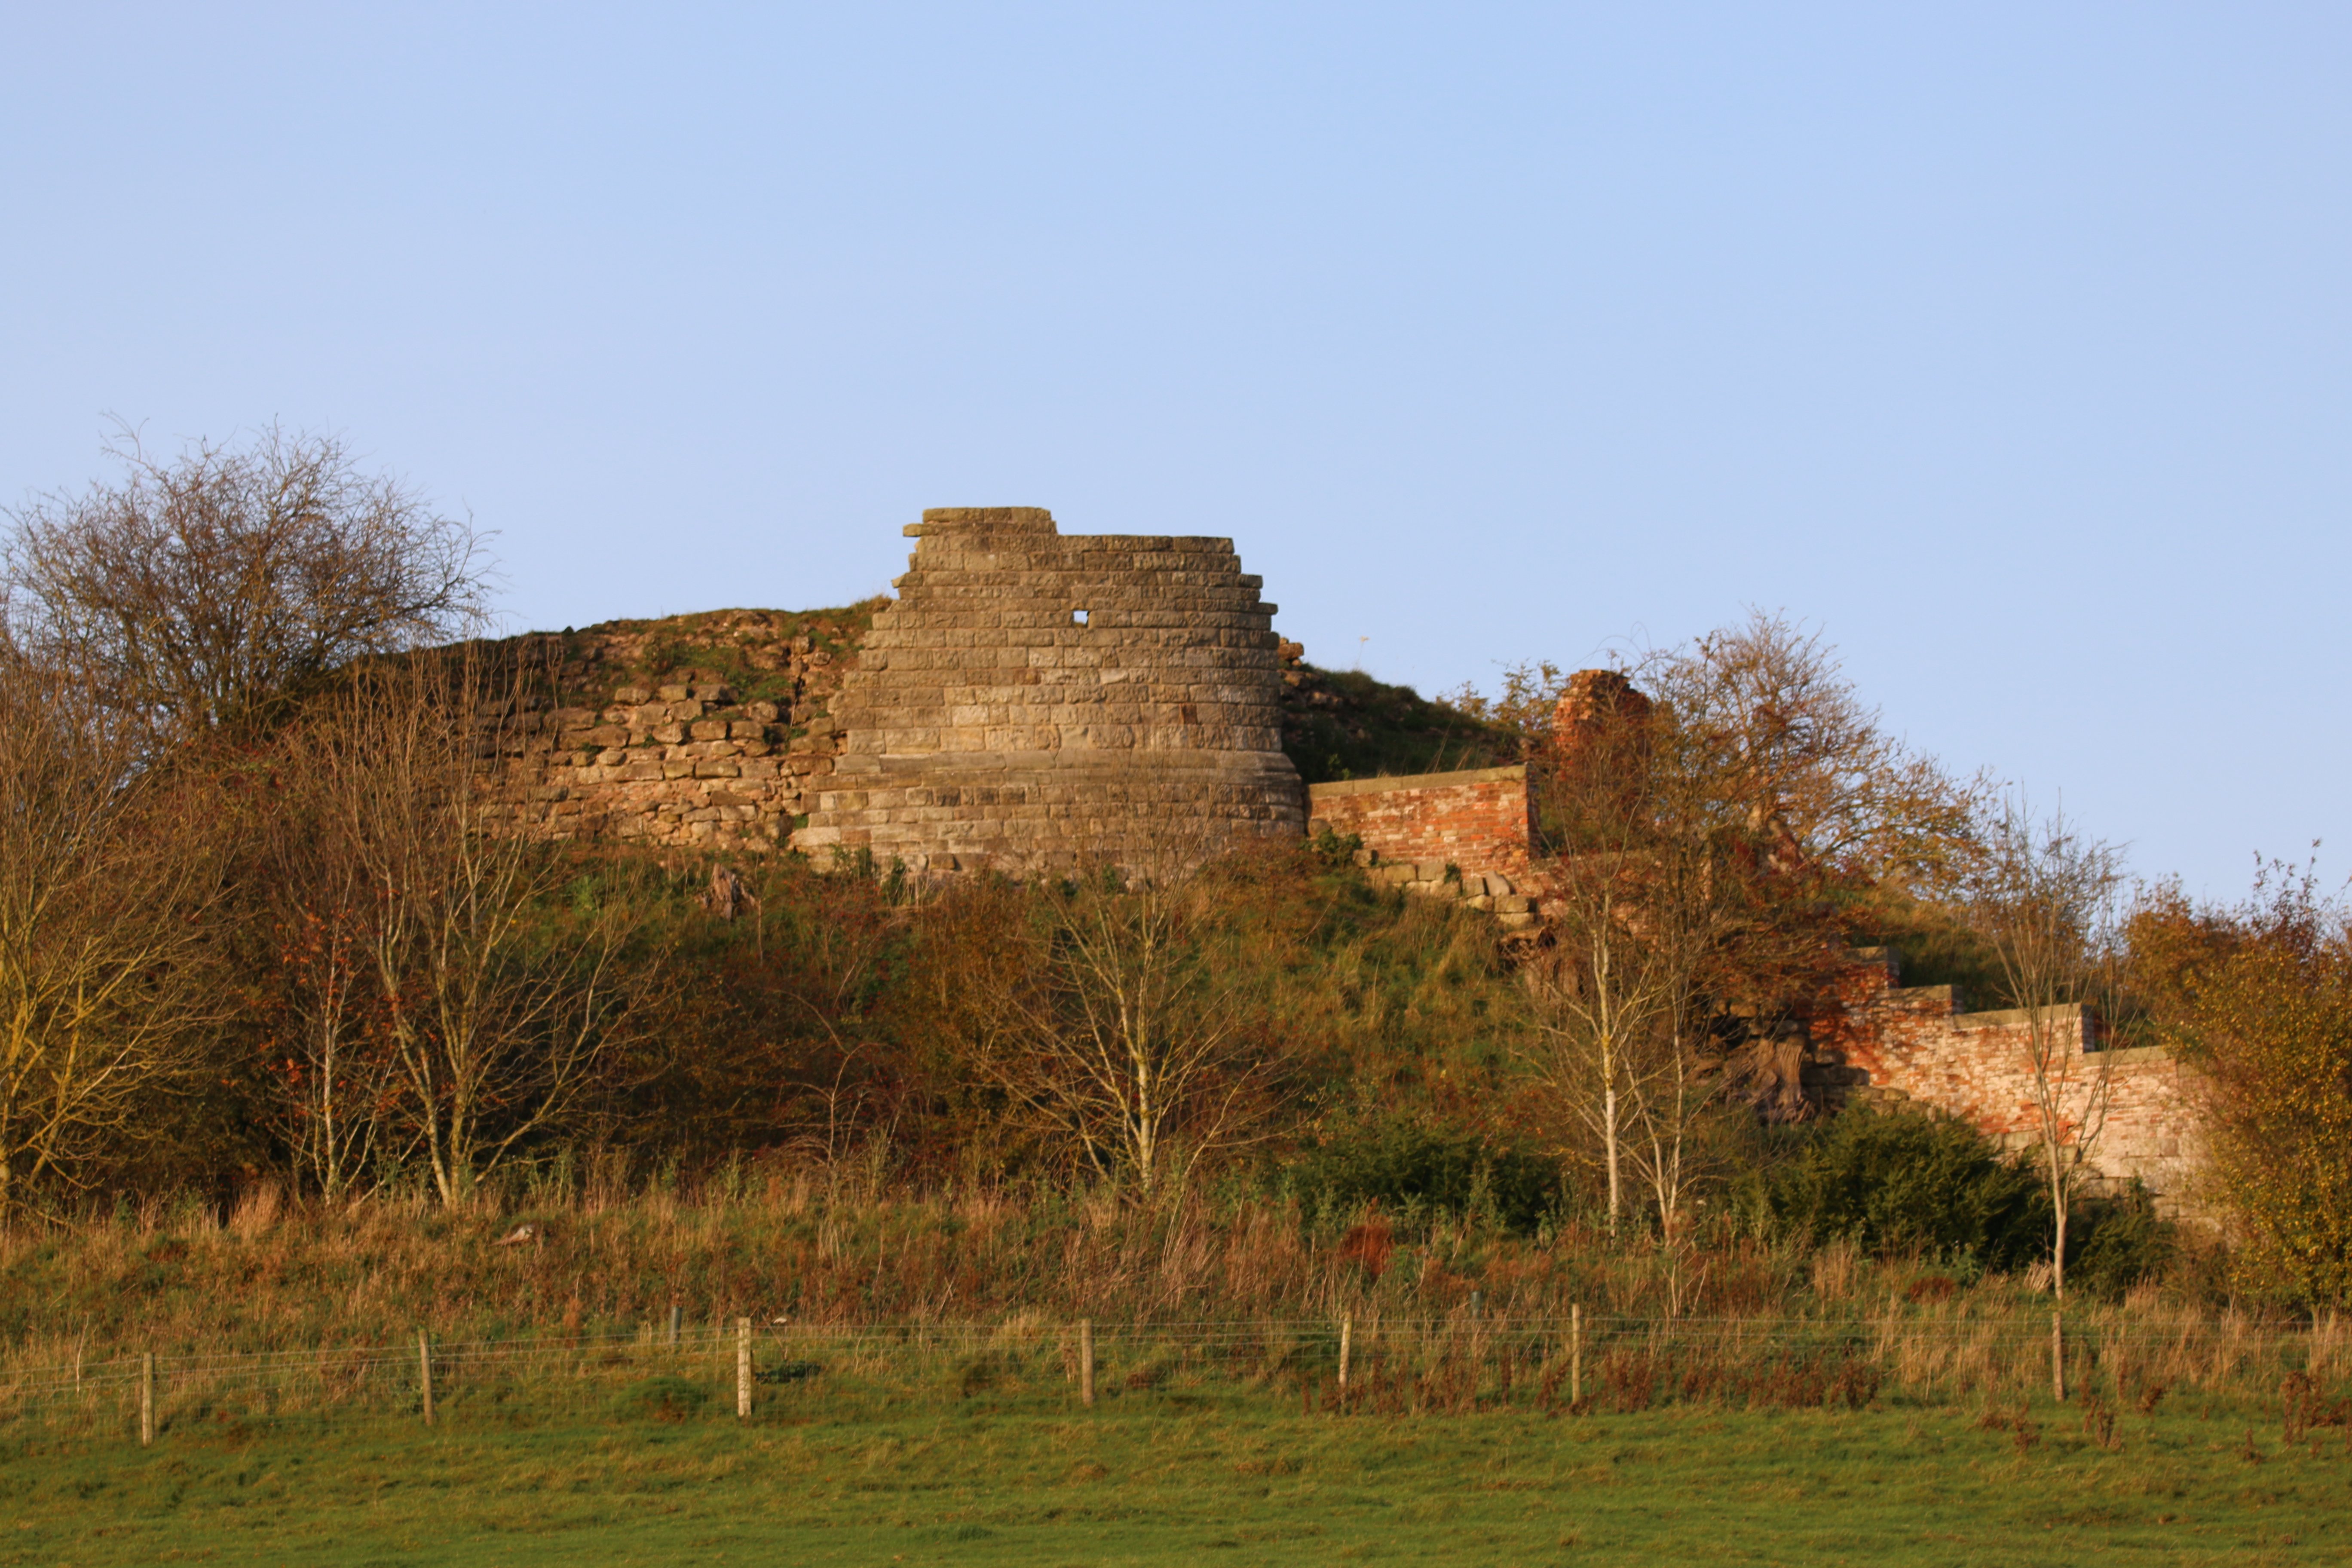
[{"x": 698, "y": 729}]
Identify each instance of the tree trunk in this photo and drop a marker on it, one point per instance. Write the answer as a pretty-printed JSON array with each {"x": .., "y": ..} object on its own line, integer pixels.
[
  {"x": 2058, "y": 1198},
  {"x": 1609, "y": 1136}
]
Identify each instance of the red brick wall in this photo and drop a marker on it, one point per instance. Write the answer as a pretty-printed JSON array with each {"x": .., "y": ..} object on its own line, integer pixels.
[
  {"x": 1476, "y": 820},
  {"x": 1978, "y": 1066}
]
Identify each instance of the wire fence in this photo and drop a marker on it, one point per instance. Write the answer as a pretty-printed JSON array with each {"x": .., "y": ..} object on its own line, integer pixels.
[{"x": 1464, "y": 1364}]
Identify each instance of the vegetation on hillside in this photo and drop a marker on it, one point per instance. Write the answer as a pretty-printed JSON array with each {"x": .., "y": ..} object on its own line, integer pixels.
[
  {"x": 258, "y": 935},
  {"x": 1344, "y": 724}
]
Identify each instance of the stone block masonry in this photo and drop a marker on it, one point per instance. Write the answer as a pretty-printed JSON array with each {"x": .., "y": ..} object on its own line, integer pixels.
[
  {"x": 708, "y": 731},
  {"x": 1034, "y": 701}
]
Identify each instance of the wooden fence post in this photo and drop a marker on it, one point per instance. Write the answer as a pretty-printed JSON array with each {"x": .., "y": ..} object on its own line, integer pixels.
[
  {"x": 1575, "y": 1353},
  {"x": 1086, "y": 1360},
  {"x": 743, "y": 1369},
  {"x": 1347, "y": 1338},
  {"x": 424, "y": 1372},
  {"x": 677, "y": 1320},
  {"x": 147, "y": 1399},
  {"x": 2057, "y": 1358}
]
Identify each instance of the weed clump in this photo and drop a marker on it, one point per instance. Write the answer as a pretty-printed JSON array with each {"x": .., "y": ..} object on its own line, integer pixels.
[{"x": 663, "y": 1398}]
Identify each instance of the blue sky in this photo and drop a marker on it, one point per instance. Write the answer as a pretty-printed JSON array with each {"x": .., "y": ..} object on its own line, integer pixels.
[{"x": 2006, "y": 343}]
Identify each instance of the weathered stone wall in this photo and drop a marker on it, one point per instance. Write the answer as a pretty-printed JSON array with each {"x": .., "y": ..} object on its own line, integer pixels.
[
  {"x": 1032, "y": 700},
  {"x": 1878, "y": 1043},
  {"x": 706, "y": 731}
]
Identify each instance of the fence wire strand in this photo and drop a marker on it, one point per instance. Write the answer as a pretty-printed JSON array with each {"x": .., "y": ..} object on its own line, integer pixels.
[{"x": 1460, "y": 1363}]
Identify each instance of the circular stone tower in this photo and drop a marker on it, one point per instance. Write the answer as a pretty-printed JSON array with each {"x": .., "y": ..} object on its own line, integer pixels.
[{"x": 1034, "y": 701}]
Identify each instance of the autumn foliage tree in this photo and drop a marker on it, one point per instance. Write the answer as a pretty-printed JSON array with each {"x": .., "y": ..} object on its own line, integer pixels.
[
  {"x": 1709, "y": 817},
  {"x": 107, "y": 874},
  {"x": 2257, "y": 995}
]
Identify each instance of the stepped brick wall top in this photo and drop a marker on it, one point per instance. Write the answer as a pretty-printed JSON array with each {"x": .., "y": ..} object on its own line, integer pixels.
[
  {"x": 1887, "y": 1043},
  {"x": 1034, "y": 700},
  {"x": 1474, "y": 820}
]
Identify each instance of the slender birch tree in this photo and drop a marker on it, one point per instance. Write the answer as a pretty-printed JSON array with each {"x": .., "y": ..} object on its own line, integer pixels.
[
  {"x": 1605, "y": 990},
  {"x": 2044, "y": 899},
  {"x": 1126, "y": 1035}
]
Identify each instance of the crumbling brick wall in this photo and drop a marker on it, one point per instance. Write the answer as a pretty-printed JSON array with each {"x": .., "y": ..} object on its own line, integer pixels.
[
  {"x": 1454, "y": 835},
  {"x": 1880, "y": 1044},
  {"x": 1033, "y": 700},
  {"x": 1477, "y": 819}
]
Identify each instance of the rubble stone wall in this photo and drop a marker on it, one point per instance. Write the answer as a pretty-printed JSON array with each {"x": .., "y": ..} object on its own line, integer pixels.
[
  {"x": 706, "y": 731},
  {"x": 1880, "y": 1044},
  {"x": 1034, "y": 700}
]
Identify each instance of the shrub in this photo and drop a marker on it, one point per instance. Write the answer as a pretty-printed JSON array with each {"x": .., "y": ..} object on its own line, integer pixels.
[
  {"x": 1403, "y": 1166},
  {"x": 2113, "y": 1244},
  {"x": 1908, "y": 1181},
  {"x": 2258, "y": 995}
]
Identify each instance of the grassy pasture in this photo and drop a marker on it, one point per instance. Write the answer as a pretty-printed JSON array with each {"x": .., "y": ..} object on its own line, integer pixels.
[
  {"x": 1237, "y": 1479},
  {"x": 1825, "y": 1408}
]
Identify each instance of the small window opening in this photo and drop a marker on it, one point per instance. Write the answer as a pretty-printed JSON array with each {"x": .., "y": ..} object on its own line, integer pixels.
[{"x": 1077, "y": 618}]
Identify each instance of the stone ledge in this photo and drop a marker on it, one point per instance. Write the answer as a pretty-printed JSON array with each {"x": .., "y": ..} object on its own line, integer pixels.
[
  {"x": 2009, "y": 1017},
  {"x": 1416, "y": 781}
]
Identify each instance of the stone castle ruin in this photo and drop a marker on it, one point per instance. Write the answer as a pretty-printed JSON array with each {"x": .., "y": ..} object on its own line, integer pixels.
[{"x": 1033, "y": 700}]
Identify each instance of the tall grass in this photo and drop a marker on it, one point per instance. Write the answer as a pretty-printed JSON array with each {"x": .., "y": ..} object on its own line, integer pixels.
[{"x": 273, "y": 1307}]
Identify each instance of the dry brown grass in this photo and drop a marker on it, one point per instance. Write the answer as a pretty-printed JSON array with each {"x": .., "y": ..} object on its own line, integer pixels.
[{"x": 1446, "y": 1316}]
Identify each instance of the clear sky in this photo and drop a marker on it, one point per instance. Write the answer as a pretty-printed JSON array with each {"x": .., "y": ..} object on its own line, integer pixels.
[{"x": 2008, "y": 343}]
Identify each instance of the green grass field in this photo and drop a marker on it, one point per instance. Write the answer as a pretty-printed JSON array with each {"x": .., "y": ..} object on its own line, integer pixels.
[{"x": 1233, "y": 1482}]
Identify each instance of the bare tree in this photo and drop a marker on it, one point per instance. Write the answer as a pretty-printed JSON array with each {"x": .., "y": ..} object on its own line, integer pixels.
[
  {"x": 199, "y": 591},
  {"x": 1602, "y": 997},
  {"x": 1129, "y": 1040},
  {"x": 1606, "y": 988},
  {"x": 105, "y": 875},
  {"x": 2044, "y": 899},
  {"x": 327, "y": 1050},
  {"x": 501, "y": 1009},
  {"x": 333, "y": 1067}
]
